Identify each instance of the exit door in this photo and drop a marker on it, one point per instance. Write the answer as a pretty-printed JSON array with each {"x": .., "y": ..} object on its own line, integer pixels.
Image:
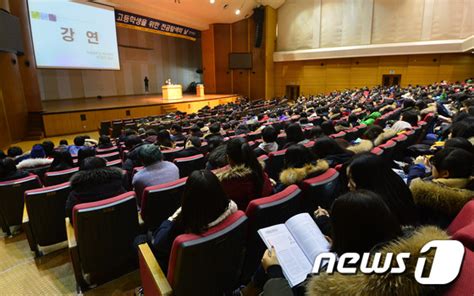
[
  {"x": 292, "y": 92},
  {"x": 391, "y": 80}
]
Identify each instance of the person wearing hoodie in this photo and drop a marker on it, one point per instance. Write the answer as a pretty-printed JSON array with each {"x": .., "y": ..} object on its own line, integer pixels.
[
  {"x": 95, "y": 181},
  {"x": 441, "y": 197},
  {"x": 37, "y": 159},
  {"x": 269, "y": 144}
]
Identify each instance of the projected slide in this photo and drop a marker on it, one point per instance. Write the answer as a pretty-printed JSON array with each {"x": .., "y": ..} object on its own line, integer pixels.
[{"x": 73, "y": 35}]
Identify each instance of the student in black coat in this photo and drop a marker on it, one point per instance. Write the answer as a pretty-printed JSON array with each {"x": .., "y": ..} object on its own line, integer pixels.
[
  {"x": 192, "y": 147},
  {"x": 8, "y": 170},
  {"x": 95, "y": 181}
]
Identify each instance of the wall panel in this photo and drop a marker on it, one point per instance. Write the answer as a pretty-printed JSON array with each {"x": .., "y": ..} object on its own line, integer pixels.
[{"x": 222, "y": 34}]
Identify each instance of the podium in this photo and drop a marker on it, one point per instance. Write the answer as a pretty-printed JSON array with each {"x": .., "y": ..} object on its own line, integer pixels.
[
  {"x": 172, "y": 92},
  {"x": 200, "y": 90}
]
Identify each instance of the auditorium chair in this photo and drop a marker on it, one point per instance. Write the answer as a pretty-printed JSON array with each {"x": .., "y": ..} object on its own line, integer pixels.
[
  {"x": 117, "y": 126},
  {"x": 110, "y": 156},
  {"x": 101, "y": 240},
  {"x": 377, "y": 151},
  {"x": 339, "y": 135},
  {"x": 106, "y": 150},
  {"x": 320, "y": 191},
  {"x": 58, "y": 177},
  {"x": 187, "y": 165},
  {"x": 206, "y": 264},
  {"x": 462, "y": 229},
  {"x": 265, "y": 212},
  {"x": 170, "y": 155},
  {"x": 115, "y": 163},
  {"x": 38, "y": 171},
  {"x": 388, "y": 150},
  {"x": 12, "y": 201},
  {"x": 281, "y": 140},
  {"x": 105, "y": 128},
  {"x": 351, "y": 134},
  {"x": 254, "y": 136},
  {"x": 43, "y": 216},
  {"x": 401, "y": 146},
  {"x": 276, "y": 161},
  {"x": 160, "y": 202}
]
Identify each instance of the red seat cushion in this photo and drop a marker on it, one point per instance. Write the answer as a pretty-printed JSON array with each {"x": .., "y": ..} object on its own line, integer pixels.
[
  {"x": 463, "y": 218},
  {"x": 269, "y": 199}
]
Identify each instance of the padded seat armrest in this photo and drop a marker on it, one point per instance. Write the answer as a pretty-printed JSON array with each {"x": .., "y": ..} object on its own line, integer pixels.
[
  {"x": 71, "y": 235},
  {"x": 26, "y": 219},
  {"x": 151, "y": 273}
]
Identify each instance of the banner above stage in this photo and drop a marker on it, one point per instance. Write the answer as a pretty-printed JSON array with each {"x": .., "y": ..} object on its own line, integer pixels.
[{"x": 147, "y": 24}]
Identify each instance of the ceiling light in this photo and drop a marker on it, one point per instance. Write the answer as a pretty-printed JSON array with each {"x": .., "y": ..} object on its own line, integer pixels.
[
  {"x": 237, "y": 11},
  {"x": 212, "y": 1}
]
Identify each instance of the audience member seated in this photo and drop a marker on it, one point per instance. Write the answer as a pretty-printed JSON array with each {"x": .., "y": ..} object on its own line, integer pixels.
[
  {"x": 177, "y": 133},
  {"x": 370, "y": 172},
  {"x": 150, "y": 136},
  {"x": 217, "y": 157},
  {"x": 9, "y": 171},
  {"x": 37, "y": 159},
  {"x": 48, "y": 147},
  {"x": 132, "y": 144},
  {"x": 269, "y": 144},
  {"x": 83, "y": 154},
  {"x": 79, "y": 143},
  {"x": 300, "y": 164},
  {"x": 196, "y": 131},
  {"x": 95, "y": 181},
  {"x": 245, "y": 179},
  {"x": 408, "y": 120},
  {"x": 294, "y": 135},
  {"x": 214, "y": 131},
  {"x": 441, "y": 197},
  {"x": 63, "y": 145},
  {"x": 62, "y": 161},
  {"x": 328, "y": 149},
  {"x": 328, "y": 128},
  {"x": 192, "y": 147},
  {"x": 316, "y": 133},
  {"x": 2, "y": 155},
  {"x": 104, "y": 142},
  {"x": 156, "y": 171},
  {"x": 204, "y": 204},
  {"x": 374, "y": 136},
  {"x": 163, "y": 140},
  {"x": 16, "y": 153}
]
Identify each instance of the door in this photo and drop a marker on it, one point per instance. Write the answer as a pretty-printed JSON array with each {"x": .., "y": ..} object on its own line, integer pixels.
[
  {"x": 391, "y": 80},
  {"x": 292, "y": 92}
]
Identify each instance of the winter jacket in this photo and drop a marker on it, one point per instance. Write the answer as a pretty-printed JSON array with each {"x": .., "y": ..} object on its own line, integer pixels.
[
  {"x": 34, "y": 163},
  {"x": 238, "y": 183},
  {"x": 367, "y": 145},
  {"x": 440, "y": 200},
  {"x": 291, "y": 176},
  {"x": 94, "y": 185}
]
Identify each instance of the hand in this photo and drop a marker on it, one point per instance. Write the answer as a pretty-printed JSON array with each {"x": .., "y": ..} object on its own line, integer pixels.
[
  {"x": 320, "y": 212},
  {"x": 269, "y": 259}
]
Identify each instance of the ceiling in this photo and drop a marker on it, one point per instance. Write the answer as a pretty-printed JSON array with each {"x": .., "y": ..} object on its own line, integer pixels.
[{"x": 197, "y": 14}]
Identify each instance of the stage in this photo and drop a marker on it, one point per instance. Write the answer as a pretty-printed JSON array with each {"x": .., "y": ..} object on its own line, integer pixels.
[{"x": 61, "y": 117}]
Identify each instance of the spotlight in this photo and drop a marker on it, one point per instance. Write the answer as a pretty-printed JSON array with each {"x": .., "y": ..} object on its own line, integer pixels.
[{"x": 237, "y": 11}]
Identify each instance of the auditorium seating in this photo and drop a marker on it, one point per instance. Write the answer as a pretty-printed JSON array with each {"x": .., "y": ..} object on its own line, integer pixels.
[
  {"x": 170, "y": 154},
  {"x": 462, "y": 229},
  {"x": 189, "y": 164},
  {"x": 320, "y": 191},
  {"x": 58, "y": 177},
  {"x": 12, "y": 201},
  {"x": 110, "y": 156},
  {"x": 206, "y": 264},
  {"x": 38, "y": 171},
  {"x": 160, "y": 202},
  {"x": 265, "y": 212},
  {"x": 276, "y": 161},
  {"x": 43, "y": 217},
  {"x": 101, "y": 240},
  {"x": 106, "y": 150}
]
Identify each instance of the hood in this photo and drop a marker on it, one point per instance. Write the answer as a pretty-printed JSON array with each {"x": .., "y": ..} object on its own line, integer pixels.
[
  {"x": 33, "y": 163},
  {"x": 236, "y": 172},
  {"x": 445, "y": 195},
  {"x": 386, "y": 284},
  {"x": 295, "y": 175},
  {"x": 96, "y": 177},
  {"x": 383, "y": 137},
  {"x": 363, "y": 146}
]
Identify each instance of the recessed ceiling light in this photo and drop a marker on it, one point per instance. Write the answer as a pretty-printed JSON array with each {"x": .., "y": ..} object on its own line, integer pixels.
[
  {"x": 237, "y": 11},
  {"x": 212, "y": 1}
]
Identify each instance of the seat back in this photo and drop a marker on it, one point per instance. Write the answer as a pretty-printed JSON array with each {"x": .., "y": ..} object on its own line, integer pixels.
[
  {"x": 320, "y": 191},
  {"x": 12, "y": 201},
  {"x": 106, "y": 150},
  {"x": 45, "y": 207},
  {"x": 161, "y": 201},
  {"x": 265, "y": 212},
  {"x": 189, "y": 164},
  {"x": 115, "y": 163},
  {"x": 276, "y": 161},
  {"x": 211, "y": 262},
  {"x": 110, "y": 156},
  {"x": 170, "y": 155},
  {"x": 39, "y": 171},
  {"x": 105, "y": 231},
  {"x": 59, "y": 177}
]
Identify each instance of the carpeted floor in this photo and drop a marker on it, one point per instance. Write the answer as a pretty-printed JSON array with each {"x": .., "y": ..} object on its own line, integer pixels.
[{"x": 52, "y": 274}]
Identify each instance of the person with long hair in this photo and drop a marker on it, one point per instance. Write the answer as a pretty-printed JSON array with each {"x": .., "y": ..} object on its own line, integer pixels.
[
  {"x": 245, "y": 179},
  {"x": 300, "y": 164},
  {"x": 62, "y": 161},
  {"x": 294, "y": 135},
  {"x": 370, "y": 172},
  {"x": 328, "y": 149},
  {"x": 204, "y": 204}
]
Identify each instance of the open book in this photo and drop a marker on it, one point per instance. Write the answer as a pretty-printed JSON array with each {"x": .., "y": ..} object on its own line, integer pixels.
[{"x": 297, "y": 244}]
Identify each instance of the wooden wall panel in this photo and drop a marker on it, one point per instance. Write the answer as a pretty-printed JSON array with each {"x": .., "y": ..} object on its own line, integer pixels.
[
  {"x": 339, "y": 74},
  {"x": 209, "y": 60},
  {"x": 240, "y": 43},
  {"x": 222, "y": 48},
  {"x": 257, "y": 74}
]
